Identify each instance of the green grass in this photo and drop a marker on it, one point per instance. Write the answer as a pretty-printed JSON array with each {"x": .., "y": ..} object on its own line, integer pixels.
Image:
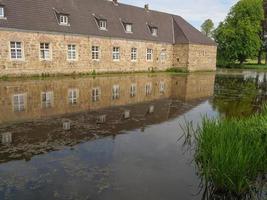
[{"x": 231, "y": 154}]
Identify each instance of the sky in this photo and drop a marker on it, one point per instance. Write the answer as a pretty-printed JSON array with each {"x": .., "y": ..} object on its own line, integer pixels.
[{"x": 194, "y": 11}]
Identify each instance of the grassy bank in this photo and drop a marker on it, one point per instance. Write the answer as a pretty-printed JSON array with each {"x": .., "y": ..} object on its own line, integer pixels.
[{"x": 231, "y": 155}]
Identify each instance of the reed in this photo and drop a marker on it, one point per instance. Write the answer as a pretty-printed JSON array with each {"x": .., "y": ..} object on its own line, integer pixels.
[{"x": 231, "y": 154}]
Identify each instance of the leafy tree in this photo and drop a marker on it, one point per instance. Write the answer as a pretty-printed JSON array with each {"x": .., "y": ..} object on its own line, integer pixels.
[
  {"x": 207, "y": 27},
  {"x": 238, "y": 36}
]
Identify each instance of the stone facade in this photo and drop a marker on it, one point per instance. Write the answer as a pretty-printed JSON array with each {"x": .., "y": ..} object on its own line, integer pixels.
[{"x": 165, "y": 55}]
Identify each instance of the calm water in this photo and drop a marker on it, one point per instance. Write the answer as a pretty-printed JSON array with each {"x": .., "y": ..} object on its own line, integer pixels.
[{"x": 123, "y": 137}]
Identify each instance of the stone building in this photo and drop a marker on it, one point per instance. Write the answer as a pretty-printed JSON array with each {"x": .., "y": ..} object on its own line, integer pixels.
[{"x": 81, "y": 36}]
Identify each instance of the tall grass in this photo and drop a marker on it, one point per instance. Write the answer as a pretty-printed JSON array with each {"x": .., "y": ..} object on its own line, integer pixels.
[{"x": 231, "y": 154}]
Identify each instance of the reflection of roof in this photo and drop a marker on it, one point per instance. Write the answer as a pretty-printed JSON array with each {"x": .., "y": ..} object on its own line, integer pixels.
[
  {"x": 39, "y": 15},
  {"x": 37, "y": 137}
]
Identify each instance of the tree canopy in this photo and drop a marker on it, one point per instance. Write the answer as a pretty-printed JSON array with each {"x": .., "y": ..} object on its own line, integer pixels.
[
  {"x": 207, "y": 27},
  {"x": 238, "y": 37}
]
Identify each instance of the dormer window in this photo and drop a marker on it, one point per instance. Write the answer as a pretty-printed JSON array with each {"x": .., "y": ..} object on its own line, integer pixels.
[
  {"x": 64, "y": 20},
  {"x": 102, "y": 24},
  {"x": 128, "y": 27},
  {"x": 2, "y": 12},
  {"x": 154, "y": 31}
]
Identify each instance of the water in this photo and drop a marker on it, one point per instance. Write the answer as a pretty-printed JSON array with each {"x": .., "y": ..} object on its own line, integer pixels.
[{"x": 122, "y": 143}]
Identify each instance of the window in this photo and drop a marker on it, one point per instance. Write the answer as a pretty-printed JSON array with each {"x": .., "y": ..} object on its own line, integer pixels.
[
  {"x": 154, "y": 31},
  {"x": 95, "y": 52},
  {"x": 96, "y": 94},
  {"x": 73, "y": 96},
  {"x": 163, "y": 56},
  {"x": 2, "y": 12},
  {"x": 19, "y": 102},
  {"x": 64, "y": 20},
  {"x": 133, "y": 54},
  {"x": 102, "y": 24},
  {"x": 161, "y": 87},
  {"x": 115, "y": 92},
  {"x": 47, "y": 99},
  {"x": 148, "y": 89},
  {"x": 16, "y": 50},
  {"x": 72, "y": 55},
  {"x": 116, "y": 53},
  {"x": 6, "y": 138},
  {"x": 133, "y": 90},
  {"x": 128, "y": 28},
  {"x": 45, "y": 51},
  {"x": 149, "y": 54}
]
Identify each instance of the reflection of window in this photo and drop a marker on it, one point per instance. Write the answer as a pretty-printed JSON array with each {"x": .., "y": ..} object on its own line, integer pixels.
[
  {"x": 148, "y": 89},
  {"x": 19, "y": 102},
  {"x": 72, "y": 55},
  {"x": 161, "y": 87},
  {"x": 44, "y": 51},
  {"x": 16, "y": 50},
  {"x": 133, "y": 54},
  {"x": 149, "y": 54},
  {"x": 47, "y": 99},
  {"x": 133, "y": 90},
  {"x": 73, "y": 95},
  {"x": 115, "y": 92},
  {"x": 116, "y": 53},
  {"x": 96, "y": 94},
  {"x": 95, "y": 52},
  {"x": 6, "y": 138}
]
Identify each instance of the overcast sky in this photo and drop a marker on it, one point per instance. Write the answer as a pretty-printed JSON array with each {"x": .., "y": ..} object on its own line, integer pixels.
[{"x": 195, "y": 11}]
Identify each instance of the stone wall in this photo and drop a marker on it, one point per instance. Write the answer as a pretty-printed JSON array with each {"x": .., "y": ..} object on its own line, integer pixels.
[
  {"x": 191, "y": 57},
  {"x": 202, "y": 58}
]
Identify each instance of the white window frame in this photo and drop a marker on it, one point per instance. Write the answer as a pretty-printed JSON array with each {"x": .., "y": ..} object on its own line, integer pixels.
[
  {"x": 149, "y": 55},
  {"x": 45, "y": 51},
  {"x": 128, "y": 28},
  {"x": 133, "y": 90},
  {"x": 19, "y": 105},
  {"x": 163, "y": 56},
  {"x": 2, "y": 12},
  {"x": 16, "y": 50},
  {"x": 116, "y": 53},
  {"x": 102, "y": 24},
  {"x": 72, "y": 52},
  {"x": 148, "y": 89},
  {"x": 47, "y": 99},
  {"x": 154, "y": 31},
  {"x": 95, "y": 53},
  {"x": 115, "y": 92},
  {"x": 64, "y": 20},
  {"x": 96, "y": 94},
  {"x": 134, "y": 54},
  {"x": 73, "y": 96}
]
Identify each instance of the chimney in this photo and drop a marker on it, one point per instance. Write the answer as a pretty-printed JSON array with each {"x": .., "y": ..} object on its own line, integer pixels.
[
  {"x": 115, "y": 2},
  {"x": 146, "y": 7}
]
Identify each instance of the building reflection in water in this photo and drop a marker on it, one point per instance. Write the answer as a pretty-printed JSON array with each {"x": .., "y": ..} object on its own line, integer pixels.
[{"x": 44, "y": 115}]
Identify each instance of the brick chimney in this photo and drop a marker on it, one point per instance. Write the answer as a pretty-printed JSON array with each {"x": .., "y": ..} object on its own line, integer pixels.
[{"x": 146, "y": 7}]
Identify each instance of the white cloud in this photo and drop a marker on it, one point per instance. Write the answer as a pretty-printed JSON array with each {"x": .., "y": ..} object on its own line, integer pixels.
[{"x": 195, "y": 11}]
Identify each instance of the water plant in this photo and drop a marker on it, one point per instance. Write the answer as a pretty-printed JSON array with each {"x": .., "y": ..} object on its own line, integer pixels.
[{"x": 231, "y": 154}]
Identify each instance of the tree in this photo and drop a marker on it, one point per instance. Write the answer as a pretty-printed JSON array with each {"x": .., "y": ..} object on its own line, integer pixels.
[
  {"x": 238, "y": 36},
  {"x": 207, "y": 27}
]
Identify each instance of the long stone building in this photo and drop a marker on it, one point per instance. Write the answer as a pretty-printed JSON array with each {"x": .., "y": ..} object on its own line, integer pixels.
[{"x": 82, "y": 36}]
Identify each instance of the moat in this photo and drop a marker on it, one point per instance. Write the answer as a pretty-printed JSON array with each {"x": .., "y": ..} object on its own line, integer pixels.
[{"x": 113, "y": 137}]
